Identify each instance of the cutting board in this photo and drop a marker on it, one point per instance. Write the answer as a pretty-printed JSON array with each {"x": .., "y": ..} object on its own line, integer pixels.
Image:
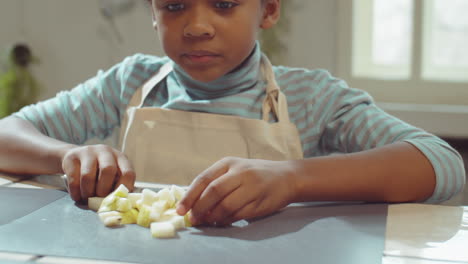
[
  {"x": 301, "y": 233},
  {"x": 18, "y": 202}
]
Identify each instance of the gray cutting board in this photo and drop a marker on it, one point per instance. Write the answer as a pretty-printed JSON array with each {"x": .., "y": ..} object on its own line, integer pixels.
[
  {"x": 319, "y": 234},
  {"x": 18, "y": 202}
]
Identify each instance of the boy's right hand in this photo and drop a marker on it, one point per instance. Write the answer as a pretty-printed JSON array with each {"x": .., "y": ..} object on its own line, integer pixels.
[{"x": 95, "y": 170}]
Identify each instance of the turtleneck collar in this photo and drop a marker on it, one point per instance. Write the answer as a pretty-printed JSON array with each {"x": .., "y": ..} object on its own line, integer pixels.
[{"x": 244, "y": 77}]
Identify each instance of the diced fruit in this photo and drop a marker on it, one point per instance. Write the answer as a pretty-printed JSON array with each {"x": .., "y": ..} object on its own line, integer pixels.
[
  {"x": 94, "y": 203},
  {"x": 121, "y": 191},
  {"x": 111, "y": 218},
  {"x": 187, "y": 220},
  {"x": 168, "y": 214},
  {"x": 133, "y": 198},
  {"x": 159, "y": 206},
  {"x": 156, "y": 210},
  {"x": 162, "y": 230},
  {"x": 112, "y": 221},
  {"x": 108, "y": 204},
  {"x": 155, "y": 216},
  {"x": 123, "y": 205},
  {"x": 144, "y": 216},
  {"x": 178, "y": 222},
  {"x": 178, "y": 192},
  {"x": 166, "y": 195},
  {"x": 138, "y": 204},
  {"x": 149, "y": 197},
  {"x": 130, "y": 217}
]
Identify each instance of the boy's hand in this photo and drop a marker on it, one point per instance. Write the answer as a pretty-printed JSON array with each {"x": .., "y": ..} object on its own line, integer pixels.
[
  {"x": 234, "y": 188},
  {"x": 95, "y": 170}
]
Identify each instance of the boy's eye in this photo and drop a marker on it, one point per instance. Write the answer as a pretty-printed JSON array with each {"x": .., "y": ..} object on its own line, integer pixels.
[
  {"x": 175, "y": 7},
  {"x": 225, "y": 5}
]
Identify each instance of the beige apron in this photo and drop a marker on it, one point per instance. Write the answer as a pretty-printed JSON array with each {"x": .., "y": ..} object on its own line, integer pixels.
[{"x": 173, "y": 146}]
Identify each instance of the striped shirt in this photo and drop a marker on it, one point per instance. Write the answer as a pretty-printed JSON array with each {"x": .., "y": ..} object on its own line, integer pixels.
[{"x": 330, "y": 116}]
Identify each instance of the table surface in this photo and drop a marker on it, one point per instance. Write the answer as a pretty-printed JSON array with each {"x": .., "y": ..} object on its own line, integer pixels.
[{"x": 414, "y": 233}]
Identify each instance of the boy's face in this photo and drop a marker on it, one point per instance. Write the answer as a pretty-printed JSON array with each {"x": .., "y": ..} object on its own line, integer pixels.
[{"x": 209, "y": 38}]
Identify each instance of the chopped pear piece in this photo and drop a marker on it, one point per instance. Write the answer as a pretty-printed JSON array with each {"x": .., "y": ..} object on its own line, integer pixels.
[
  {"x": 94, "y": 203},
  {"x": 166, "y": 195},
  {"x": 178, "y": 192},
  {"x": 133, "y": 198},
  {"x": 123, "y": 205},
  {"x": 155, "y": 216},
  {"x": 160, "y": 206},
  {"x": 113, "y": 221},
  {"x": 149, "y": 197},
  {"x": 108, "y": 204},
  {"x": 107, "y": 214},
  {"x": 168, "y": 214},
  {"x": 121, "y": 191},
  {"x": 162, "y": 230},
  {"x": 130, "y": 217},
  {"x": 178, "y": 222},
  {"x": 144, "y": 216},
  {"x": 111, "y": 218},
  {"x": 187, "y": 220}
]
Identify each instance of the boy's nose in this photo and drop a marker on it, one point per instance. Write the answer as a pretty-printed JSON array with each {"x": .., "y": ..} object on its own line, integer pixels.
[
  {"x": 199, "y": 30},
  {"x": 199, "y": 25}
]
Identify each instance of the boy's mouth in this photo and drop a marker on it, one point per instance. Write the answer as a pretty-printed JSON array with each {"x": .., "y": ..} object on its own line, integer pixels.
[{"x": 200, "y": 56}]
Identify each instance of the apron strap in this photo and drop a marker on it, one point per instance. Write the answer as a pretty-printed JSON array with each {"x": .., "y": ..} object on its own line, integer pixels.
[
  {"x": 139, "y": 97},
  {"x": 149, "y": 85},
  {"x": 275, "y": 100}
]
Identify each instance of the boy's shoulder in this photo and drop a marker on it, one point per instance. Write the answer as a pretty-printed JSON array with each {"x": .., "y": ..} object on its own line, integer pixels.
[{"x": 313, "y": 77}]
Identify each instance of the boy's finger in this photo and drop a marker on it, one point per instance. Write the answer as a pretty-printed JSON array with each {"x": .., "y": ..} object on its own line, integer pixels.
[
  {"x": 215, "y": 194},
  {"x": 88, "y": 175},
  {"x": 230, "y": 204},
  {"x": 72, "y": 173},
  {"x": 126, "y": 173},
  {"x": 107, "y": 173},
  {"x": 199, "y": 184}
]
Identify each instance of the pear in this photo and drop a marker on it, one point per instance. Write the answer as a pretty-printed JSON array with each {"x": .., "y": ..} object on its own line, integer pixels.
[
  {"x": 110, "y": 218},
  {"x": 143, "y": 218},
  {"x": 130, "y": 217},
  {"x": 123, "y": 204},
  {"x": 156, "y": 210},
  {"x": 94, "y": 203},
  {"x": 162, "y": 230}
]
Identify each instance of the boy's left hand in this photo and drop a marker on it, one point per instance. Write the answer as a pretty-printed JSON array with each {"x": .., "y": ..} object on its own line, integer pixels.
[{"x": 235, "y": 188}]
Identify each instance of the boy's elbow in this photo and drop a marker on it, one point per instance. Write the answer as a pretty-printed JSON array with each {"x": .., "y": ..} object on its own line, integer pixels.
[{"x": 451, "y": 184}]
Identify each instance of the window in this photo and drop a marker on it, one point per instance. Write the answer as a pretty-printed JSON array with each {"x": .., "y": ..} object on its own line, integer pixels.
[
  {"x": 405, "y": 51},
  {"x": 445, "y": 32},
  {"x": 382, "y": 39}
]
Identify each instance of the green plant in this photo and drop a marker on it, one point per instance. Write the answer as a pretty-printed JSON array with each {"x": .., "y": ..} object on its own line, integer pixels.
[{"x": 18, "y": 87}]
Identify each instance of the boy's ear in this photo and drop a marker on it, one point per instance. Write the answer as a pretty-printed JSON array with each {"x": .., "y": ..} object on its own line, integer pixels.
[{"x": 271, "y": 13}]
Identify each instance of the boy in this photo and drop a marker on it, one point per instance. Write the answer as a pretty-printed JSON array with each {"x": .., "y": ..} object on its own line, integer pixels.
[{"x": 216, "y": 115}]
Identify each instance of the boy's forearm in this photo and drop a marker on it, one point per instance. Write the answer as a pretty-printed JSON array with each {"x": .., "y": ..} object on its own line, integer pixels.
[
  {"x": 394, "y": 173},
  {"x": 26, "y": 151}
]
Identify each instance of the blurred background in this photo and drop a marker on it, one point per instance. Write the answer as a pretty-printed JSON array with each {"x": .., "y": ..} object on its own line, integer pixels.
[{"x": 410, "y": 55}]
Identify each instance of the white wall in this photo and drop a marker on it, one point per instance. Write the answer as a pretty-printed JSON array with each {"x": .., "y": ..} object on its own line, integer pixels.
[
  {"x": 73, "y": 40},
  {"x": 312, "y": 40}
]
